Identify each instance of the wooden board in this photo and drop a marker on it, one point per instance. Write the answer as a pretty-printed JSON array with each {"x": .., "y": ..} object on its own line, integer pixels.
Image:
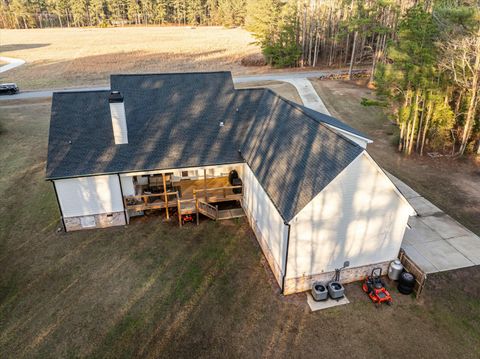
[{"x": 231, "y": 213}]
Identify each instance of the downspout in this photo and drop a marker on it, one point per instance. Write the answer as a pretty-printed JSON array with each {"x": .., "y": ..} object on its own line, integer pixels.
[
  {"x": 59, "y": 206},
  {"x": 123, "y": 199},
  {"x": 286, "y": 258}
]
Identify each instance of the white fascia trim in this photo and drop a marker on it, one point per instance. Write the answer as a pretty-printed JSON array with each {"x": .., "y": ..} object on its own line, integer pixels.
[{"x": 367, "y": 140}]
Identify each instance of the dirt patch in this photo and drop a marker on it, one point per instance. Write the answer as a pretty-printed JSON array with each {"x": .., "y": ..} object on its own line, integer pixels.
[{"x": 450, "y": 184}]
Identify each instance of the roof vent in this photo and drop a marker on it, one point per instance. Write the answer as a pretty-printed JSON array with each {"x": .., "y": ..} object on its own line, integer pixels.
[{"x": 119, "y": 120}]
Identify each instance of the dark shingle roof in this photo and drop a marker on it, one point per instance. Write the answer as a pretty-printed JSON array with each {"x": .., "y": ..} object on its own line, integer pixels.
[
  {"x": 293, "y": 156},
  {"x": 329, "y": 120},
  {"x": 173, "y": 122}
]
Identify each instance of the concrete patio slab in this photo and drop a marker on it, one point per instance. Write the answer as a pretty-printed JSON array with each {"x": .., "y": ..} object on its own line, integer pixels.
[
  {"x": 329, "y": 303},
  {"x": 419, "y": 232},
  {"x": 469, "y": 246},
  {"x": 445, "y": 226},
  {"x": 423, "y": 207},
  {"x": 403, "y": 187},
  {"x": 443, "y": 256},
  {"x": 435, "y": 241},
  {"x": 419, "y": 259}
]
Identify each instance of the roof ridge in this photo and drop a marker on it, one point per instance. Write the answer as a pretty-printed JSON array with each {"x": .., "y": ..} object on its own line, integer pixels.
[
  {"x": 305, "y": 108},
  {"x": 64, "y": 92},
  {"x": 172, "y": 73}
]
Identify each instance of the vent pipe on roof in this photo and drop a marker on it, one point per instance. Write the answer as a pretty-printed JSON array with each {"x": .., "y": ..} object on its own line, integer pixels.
[{"x": 119, "y": 120}]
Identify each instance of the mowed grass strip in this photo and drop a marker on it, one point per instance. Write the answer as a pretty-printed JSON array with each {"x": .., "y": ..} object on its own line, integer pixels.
[
  {"x": 58, "y": 58},
  {"x": 154, "y": 290}
]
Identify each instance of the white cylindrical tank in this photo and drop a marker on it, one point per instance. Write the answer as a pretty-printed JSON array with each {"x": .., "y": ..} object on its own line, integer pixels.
[{"x": 395, "y": 269}]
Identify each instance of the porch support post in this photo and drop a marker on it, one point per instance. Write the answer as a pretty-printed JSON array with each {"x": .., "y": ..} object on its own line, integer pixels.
[
  {"x": 205, "y": 183},
  {"x": 196, "y": 209},
  {"x": 166, "y": 196},
  {"x": 179, "y": 211}
]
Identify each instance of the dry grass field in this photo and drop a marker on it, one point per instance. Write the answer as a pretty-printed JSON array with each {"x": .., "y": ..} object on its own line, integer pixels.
[
  {"x": 58, "y": 58},
  {"x": 154, "y": 290}
]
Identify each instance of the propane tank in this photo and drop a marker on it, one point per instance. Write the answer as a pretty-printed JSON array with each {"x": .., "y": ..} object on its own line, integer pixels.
[{"x": 395, "y": 269}]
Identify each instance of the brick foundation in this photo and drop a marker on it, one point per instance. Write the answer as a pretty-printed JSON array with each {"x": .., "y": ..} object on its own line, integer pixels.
[
  {"x": 102, "y": 220},
  {"x": 348, "y": 275}
]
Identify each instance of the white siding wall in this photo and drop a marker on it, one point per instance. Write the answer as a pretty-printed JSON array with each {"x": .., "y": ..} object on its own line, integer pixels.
[
  {"x": 212, "y": 171},
  {"x": 265, "y": 218},
  {"x": 127, "y": 185},
  {"x": 89, "y": 195},
  {"x": 358, "y": 217},
  {"x": 194, "y": 173}
]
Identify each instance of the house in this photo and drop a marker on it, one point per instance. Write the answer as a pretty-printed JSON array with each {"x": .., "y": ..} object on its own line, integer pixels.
[{"x": 311, "y": 193}]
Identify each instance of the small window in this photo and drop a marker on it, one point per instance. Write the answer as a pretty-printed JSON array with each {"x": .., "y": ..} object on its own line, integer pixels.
[
  {"x": 184, "y": 173},
  {"x": 193, "y": 173},
  {"x": 87, "y": 222}
]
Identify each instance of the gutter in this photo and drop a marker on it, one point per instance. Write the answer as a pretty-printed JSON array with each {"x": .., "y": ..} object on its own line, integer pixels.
[
  {"x": 123, "y": 199},
  {"x": 59, "y": 206},
  {"x": 286, "y": 258}
]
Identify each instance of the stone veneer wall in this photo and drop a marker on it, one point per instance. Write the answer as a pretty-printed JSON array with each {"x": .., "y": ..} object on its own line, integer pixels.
[
  {"x": 102, "y": 220},
  {"x": 348, "y": 275}
]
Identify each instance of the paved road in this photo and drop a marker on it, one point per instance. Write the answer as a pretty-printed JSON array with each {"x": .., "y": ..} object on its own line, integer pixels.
[
  {"x": 12, "y": 63},
  {"x": 47, "y": 93},
  {"x": 283, "y": 76}
]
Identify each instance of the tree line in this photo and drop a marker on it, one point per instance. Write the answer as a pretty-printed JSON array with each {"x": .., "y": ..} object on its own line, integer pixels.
[
  {"x": 424, "y": 59},
  {"x": 23, "y": 14},
  {"x": 423, "y": 55}
]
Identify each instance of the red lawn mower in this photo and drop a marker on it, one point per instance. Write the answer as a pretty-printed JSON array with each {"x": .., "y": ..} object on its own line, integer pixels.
[
  {"x": 375, "y": 288},
  {"x": 187, "y": 218}
]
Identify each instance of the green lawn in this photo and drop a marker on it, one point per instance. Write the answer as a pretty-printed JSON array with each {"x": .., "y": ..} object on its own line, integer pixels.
[{"x": 155, "y": 290}]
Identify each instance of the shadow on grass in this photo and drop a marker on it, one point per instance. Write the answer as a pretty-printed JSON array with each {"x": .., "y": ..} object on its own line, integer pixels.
[
  {"x": 17, "y": 47},
  {"x": 96, "y": 69}
]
